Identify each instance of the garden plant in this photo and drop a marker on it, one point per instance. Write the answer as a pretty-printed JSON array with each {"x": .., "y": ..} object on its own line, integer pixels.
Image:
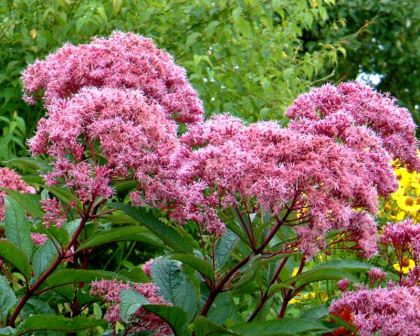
[{"x": 250, "y": 228}]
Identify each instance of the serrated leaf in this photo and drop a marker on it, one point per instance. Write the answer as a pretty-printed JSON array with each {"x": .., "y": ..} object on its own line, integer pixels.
[
  {"x": 17, "y": 226},
  {"x": 58, "y": 323},
  {"x": 131, "y": 301},
  {"x": 63, "y": 277},
  {"x": 285, "y": 326},
  {"x": 128, "y": 233},
  {"x": 174, "y": 316},
  {"x": 43, "y": 257},
  {"x": 174, "y": 285},
  {"x": 167, "y": 234},
  {"x": 16, "y": 257},
  {"x": 200, "y": 265},
  {"x": 225, "y": 246},
  {"x": 7, "y": 298}
]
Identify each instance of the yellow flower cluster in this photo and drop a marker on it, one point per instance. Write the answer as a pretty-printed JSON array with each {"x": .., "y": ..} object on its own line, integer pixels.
[{"x": 405, "y": 202}]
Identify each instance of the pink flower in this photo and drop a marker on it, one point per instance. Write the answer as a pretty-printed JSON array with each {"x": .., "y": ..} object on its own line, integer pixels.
[
  {"x": 147, "y": 267},
  {"x": 383, "y": 311},
  {"x": 39, "y": 238},
  {"x": 343, "y": 284},
  {"x": 54, "y": 215},
  {"x": 11, "y": 180},
  {"x": 110, "y": 291},
  {"x": 376, "y": 276},
  {"x": 404, "y": 237}
]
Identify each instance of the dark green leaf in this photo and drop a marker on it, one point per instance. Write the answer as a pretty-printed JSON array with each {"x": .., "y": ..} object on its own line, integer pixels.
[
  {"x": 285, "y": 326},
  {"x": 58, "y": 323},
  {"x": 205, "y": 327},
  {"x": 29, "y": 202},
  {"x": 319, "y": 275},
  {"x": 169, "y": 235},
  {"x": 200, "y": 265},
  {"x": 128, "y": 233},
  {"x": 17, "y": 226},
  {"x": 43, "y": 257},
  {"x": 131, "y": 301},
  {"x": 225, "y": 246},
  {"x": 69, "y": 276},
  {"x": 7, "y": 298},
  {"x": 346, "y": 265},
  {"x": 8, "y": 331},
  {"x": 174, "y": 285},
  {"x": 174, "y": 316},
  {"x": 16, "y": 257}
]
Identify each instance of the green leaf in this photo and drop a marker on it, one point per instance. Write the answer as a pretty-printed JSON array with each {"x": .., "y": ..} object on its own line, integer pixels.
[
  {"x": 128, "y": 233},
  {"x": 58, "y": 323},
  {"x": 285, "y": 326},
  {"x": 204, "y": 327},
  {"x": 169, "y": 235},
  {"x": 43, "y": 257},
  {"x": 17, "y": 226},
  {"x": 131, "y": 301},
  {"x": 69, "y": 276},
  {"x": 174, "y": 285},
  {"x": 225, "y": 246},
  {"x": 26, "y": 163},
  {"x": 319, "y": 275},
  {"x": 16, "y": 257},
  {"x": 200, "y": 265},
  {"x": 30, "y": 202},
  {"x": 7, "y": 298},
  {"x": 345, "y": 265},
  {"x": 174, "y": 316}
]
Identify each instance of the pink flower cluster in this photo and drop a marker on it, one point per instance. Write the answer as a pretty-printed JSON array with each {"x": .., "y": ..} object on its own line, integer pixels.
[
  {"x": 403, "y": 237},
  {"x": 11, "y": 180},
  {"x": 110, "y": 291},
  {"x": 53, "y": 213},
  {"x": 112, "y": 107},
  {"x": 39, "y": 238},
  {"x": 352, "y": 108},
  {"x": 393, "y": 311}
]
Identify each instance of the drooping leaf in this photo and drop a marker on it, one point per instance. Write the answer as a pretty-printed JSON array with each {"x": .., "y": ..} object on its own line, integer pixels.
[
  {"x": 128, "y": 233},
  {"x": 16, "y": 257},
  {"x": 43, "y": 257},
  {"x": 346, "y": 265},
  {"x": 58, "y": 323},
  {"x": 62, "y": 277},
  {"x": 225, "y": 246},
  {"x": 319, "y": 275},
  {"x": 174, "y": 316},
  {"x": 29, "y": 202},
  {"x": 167, "y": 234},
  {"x": 174, "y": 285},
  {"x": 7, "y": 298},
  {"x": 200, "y": 265},
  {"x": 204, "y": 327},
  {"x": 285, "y": 326},
  {"x": 17, "y": 226},
  {"x": 131, "y": 301}
]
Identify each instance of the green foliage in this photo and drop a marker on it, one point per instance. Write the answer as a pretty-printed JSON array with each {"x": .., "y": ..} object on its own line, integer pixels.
[{"x": 7, "y": 298}]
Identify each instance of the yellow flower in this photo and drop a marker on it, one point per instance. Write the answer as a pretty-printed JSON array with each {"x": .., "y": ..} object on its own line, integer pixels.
[
  {"x": 408, "y": 203},
  {"x": 409, "y": 265}
]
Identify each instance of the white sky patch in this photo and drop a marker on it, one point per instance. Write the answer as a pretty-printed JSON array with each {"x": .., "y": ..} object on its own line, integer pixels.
[{"x": 369, "y": 79}]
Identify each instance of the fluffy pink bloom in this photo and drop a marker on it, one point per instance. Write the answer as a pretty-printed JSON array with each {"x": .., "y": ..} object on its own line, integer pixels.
[
  {"x": 39, "y": 238},
  {"x": 384, "y": 311},
  {"x": 110, "y": 291},
  {"x": 147, "y": 267},
  {"x": 376, "y": 276},
  {"x": 338, "y": 111},
  {"x": 343, "y": 284},
  {"x": 123, "y": 61},
  {"x": 54, "y": 215},
  {"x": 11, "y": 180},
  {"x": 403, "y": 237}
]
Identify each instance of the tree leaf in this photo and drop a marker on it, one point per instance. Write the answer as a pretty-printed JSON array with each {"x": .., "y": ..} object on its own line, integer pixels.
[
  {"x": 204, "y": 327},
  {"x": 131, "y": 301},
  {"x": 167, "y": 234},
  {"x": 69, "y": 276},
  {"x": 7, "y": 298},
  {"x": 174, "y": 316},
  {"x": 16, "y": 257},
  {"x": 225, "y": 246},
  {"x": 43, "y": 257},
  {"x": 174, "y": 285},
  {"x": 285, "y": 326},
  {"x": 319, "y": 275},
  {"x": 17, "y": 226},
  {"x": 200, "y": 265},
  {"x": 58, "y": 323},
  {"x": 128, "y": 233},
  {"x": 30, "y": 202}
]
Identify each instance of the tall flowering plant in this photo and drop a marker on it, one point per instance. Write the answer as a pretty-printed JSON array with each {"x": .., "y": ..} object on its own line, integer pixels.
[{"x": 244, "y": 218}]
